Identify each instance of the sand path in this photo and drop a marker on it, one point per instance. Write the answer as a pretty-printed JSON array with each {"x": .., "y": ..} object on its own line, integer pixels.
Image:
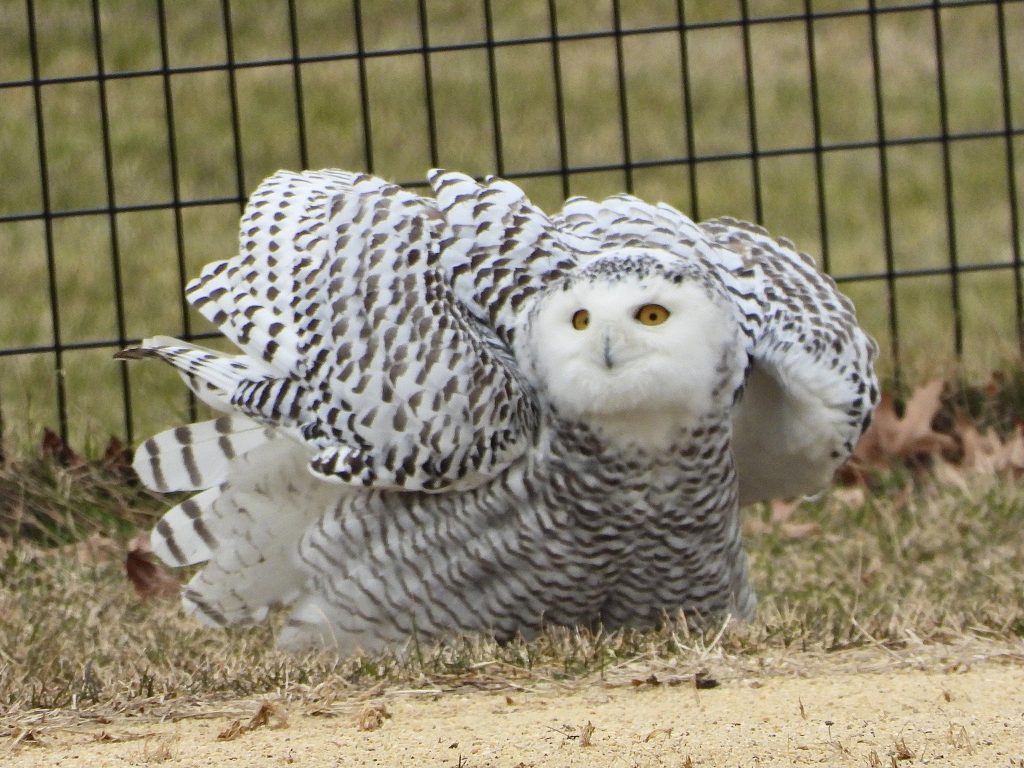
[{"x": 961, "y": 715}]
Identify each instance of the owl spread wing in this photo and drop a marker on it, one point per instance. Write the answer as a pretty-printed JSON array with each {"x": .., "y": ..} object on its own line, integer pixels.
[
  {"x": 354, "y": 340},
  {"x": 811, "y": 387},
  {"x": 498, "y": 247}
]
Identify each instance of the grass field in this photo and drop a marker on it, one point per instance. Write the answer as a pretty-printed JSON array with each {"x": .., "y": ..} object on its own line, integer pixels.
[
  {"x": 136, "y": 138},
  {"x": 904, "y": 568}
]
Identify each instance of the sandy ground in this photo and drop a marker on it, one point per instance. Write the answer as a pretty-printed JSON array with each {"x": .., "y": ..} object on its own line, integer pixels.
[{"x": 960, "y": 715}]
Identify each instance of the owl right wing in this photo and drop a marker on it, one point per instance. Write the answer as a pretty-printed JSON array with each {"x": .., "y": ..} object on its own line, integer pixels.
[
  {"x": 353, "y": 339},
  {"x": 810, "y": 387}
]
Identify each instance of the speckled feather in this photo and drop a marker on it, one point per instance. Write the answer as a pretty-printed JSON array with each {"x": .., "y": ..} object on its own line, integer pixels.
[
  {"x": 337, "y": 288},
  {"x": 388, "y": 346}
]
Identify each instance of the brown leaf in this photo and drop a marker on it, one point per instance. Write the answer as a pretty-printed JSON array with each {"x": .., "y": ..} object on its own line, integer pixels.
[
  {"x": 702, "y": 680},
  {"x": 909, "y": 439},
  {"x": 268, "y": 714},
  {"x": 782, "y": 509},
  {"x": 58, "y": 451},
  {"x": 372, "y": 717},
  {"x": 148, "y": 578},
  {"x": 117, "y": 460},
  {"x": 651, "y": 680},
  {"x": 233, "y": 731},
  {"x": 799, "y": 531},
  {"x": 851, "y": 495},
  {"x": 903, "y": 752},
  {"x": 988, "y": 453}
]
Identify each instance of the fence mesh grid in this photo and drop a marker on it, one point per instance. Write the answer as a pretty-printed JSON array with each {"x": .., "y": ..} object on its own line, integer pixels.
[{"x": 882, "y": 137}]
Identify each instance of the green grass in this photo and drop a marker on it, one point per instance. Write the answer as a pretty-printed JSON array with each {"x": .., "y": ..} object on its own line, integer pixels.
[
  {"x": 927, "y": 567},
  {"x": 465, "y": 140}
]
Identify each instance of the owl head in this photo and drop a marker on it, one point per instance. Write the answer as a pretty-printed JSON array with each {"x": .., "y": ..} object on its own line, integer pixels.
[{"x": 634, "y": 338}]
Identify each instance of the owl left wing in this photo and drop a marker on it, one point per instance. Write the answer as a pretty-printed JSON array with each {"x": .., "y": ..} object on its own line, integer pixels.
[
  {"x": 353, "y": 339},
  {"x": 814, "y": 363},
  {"x": 810, "y": 387}
]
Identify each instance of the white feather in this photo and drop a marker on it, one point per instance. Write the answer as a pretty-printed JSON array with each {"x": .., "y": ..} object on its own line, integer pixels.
[
  {"x": 257, "y": 522},
  {"x": 198, "y": 456}
]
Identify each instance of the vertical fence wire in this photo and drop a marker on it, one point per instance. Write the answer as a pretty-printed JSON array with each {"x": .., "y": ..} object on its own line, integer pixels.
[
  {"x": 364, "y": 86},
  {"x": 883, "y": 180},
  {"x": 819, "y": 155},
  {"x": 47, "y": 219},
  {"x": 300, "y": 110},
  {"x": 620, "y": 71},
  {"x": 947, "y": 183},
  {"x": 175, "y": 176},
  {"x": 882, "y": 141},
  {"x": 1011, "y": 174},
  {"x": 111, "y": 196},
  {"x": 428, "y": 84},
  {"x": 748, "y": 76},
  {"x": 492, "y": 83},
  {"x": 236, "y": 128},
  {"x": 691, "y": 142},
  {"x": 556, "y": 69}
]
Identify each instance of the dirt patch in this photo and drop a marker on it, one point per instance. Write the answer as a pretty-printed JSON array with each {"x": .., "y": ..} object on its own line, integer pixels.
[{"x": 962, "y": 714}]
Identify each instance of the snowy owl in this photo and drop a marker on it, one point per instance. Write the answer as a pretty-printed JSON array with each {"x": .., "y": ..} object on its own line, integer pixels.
[{"x": 456, "y": 413}]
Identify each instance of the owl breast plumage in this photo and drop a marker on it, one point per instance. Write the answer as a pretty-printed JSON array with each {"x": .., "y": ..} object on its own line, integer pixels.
[{"x": 456, "y": 413}]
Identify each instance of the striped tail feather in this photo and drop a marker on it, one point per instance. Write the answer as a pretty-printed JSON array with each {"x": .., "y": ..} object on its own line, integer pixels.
[
  {"x": 197, "y": 456},
  {"x": 226, "y": 382},
  {"x": 183, "y": 535},
  {"x": 247, "y": 530},
  {"x": 213, "y": 376}
]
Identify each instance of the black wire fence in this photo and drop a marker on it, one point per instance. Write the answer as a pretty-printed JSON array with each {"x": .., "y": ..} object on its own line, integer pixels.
[{"x": 883, "y": 137}]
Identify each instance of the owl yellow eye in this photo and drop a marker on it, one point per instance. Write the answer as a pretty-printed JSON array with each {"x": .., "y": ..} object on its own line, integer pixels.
[
  {"x": 652, "y": 314},
  {"x": 580, "y": 319}
]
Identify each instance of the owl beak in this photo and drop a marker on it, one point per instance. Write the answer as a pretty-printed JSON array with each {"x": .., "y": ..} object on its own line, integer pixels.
[{"x": 608, "y": 352}]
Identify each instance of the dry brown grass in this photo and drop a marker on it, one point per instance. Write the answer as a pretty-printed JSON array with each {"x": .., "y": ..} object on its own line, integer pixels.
[{"x": 905, "y": 569}]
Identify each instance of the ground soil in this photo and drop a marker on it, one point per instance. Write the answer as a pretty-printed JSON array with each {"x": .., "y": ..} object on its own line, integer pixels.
[{"x": 875, "y": 710}]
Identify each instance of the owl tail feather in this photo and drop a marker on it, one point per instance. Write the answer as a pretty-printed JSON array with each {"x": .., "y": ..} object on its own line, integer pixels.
[
  {"x": 245, "y": 528},
  {"x": 197, "y": 456}
]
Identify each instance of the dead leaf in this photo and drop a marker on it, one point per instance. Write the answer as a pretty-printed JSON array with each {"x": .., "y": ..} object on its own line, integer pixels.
[
  {"x": 988, "y": 453},
  {"x": 268, "y": 714},
  {"x": 148, "y": 578},
  {"x": 117, "y": 460},
  {"x": 909, "y": 439},
  {"x": 651, "y": 680},
  {"x": 702, "y": 680},
  {"x": 233, "y": 731},
  {"x": 57, "y": 450},
  {"x": 850, "y": 495},
  {"x": 372, "y": 717}
]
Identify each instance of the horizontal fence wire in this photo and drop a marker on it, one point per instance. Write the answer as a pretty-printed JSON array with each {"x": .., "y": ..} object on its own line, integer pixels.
[
  {"x": 553, "y": 29},
  {"x": 551, "y": 39}
]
